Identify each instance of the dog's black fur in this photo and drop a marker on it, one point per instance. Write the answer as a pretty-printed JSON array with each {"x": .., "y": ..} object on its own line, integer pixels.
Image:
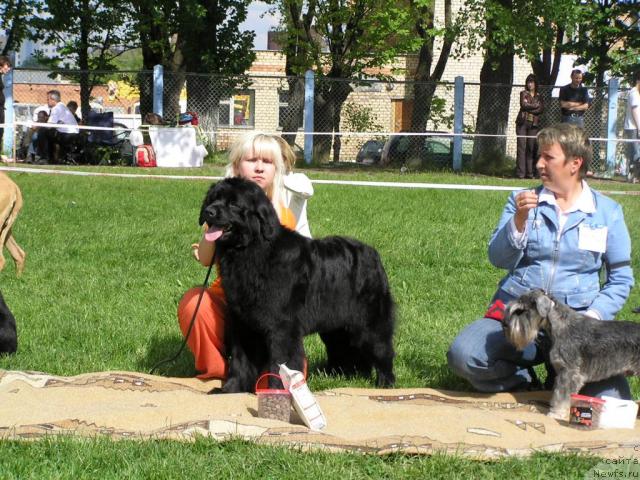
[
  {"x": 8, "y": 334},
  {"x": 281, "y": 286}
]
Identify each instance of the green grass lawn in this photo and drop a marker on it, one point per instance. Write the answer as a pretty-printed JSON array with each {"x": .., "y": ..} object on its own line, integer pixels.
[{"x": 109, "y": 258}]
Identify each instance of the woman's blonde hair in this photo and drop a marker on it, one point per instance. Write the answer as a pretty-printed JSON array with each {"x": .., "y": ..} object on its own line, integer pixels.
[
  {"x": 573, "y": 141},
  {"x": 288, "y": 156},
  {"x": 265, "y": 146}
]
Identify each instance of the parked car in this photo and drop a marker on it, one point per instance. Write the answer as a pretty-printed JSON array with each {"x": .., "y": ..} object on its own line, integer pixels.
[
  {"x": 432, "y": 151},
  {"x": 371, "y": 152}
]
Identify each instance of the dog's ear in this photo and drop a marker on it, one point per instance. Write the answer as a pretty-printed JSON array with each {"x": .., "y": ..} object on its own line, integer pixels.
[
  {"x": 544, "y": 305},
  {"x": 267, "y": 220},
  {"x": 206, "y": 202}
]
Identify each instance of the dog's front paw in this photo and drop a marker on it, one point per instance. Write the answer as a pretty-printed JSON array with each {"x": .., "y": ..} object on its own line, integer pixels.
[
  {"x": 232, "y": 385},
  {"x": 215, "y": 391},
  {"x": 559, "y": 414}
]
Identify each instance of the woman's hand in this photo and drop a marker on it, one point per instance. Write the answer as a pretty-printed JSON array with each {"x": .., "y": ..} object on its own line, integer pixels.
[
  {"x": 525, "y": 201},
  {"x": 194, "y": 251}
]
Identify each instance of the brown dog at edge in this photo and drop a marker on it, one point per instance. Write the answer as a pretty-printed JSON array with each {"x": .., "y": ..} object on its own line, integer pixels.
[{"x": 10, "y": 206}]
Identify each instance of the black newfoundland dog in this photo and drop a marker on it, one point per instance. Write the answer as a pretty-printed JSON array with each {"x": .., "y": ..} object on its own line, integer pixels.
[
  {"x": 8, "y": 335},
  {"x": 281, "y": 286}
]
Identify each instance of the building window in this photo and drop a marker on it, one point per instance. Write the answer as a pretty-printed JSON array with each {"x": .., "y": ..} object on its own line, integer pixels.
[
  {"x": 286, "y": 111},
  {"x": 239, "y": 110}
]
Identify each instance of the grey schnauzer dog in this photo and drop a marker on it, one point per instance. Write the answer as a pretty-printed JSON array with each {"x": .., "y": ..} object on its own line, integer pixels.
[{"x": 583, "y": 349}]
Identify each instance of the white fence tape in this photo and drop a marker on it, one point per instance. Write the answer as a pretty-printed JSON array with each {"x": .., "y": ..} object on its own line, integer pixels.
[{"x": 357, "y": 183}]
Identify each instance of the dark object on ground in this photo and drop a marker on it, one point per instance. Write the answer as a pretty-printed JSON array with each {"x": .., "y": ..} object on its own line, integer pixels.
[{"x": 8, "y": 334}]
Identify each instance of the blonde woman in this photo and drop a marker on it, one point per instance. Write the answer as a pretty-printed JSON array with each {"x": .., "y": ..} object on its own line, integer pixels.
[{"x": 256, "y": 157}]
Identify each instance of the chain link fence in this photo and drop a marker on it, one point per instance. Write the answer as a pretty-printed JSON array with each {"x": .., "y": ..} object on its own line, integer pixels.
[{"x": 366, "y": 120}]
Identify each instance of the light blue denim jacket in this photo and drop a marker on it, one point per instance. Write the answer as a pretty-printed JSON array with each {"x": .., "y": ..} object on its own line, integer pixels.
[{"x": 559, "y": 267}]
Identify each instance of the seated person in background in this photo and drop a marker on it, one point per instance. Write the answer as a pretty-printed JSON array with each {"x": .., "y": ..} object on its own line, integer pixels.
[
  {"x": 53, "y": 143},
  {"x": 72, "y": 105},
  {"x": 30, "y": 141},
  {"x": 41, "y": 108}
]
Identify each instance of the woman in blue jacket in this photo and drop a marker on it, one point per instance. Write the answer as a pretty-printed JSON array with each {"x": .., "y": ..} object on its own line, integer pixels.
[{"x": 557, "y": 237}]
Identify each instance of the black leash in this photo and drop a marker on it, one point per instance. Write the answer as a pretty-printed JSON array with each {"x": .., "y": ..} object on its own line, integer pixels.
[{"x": 193, "y": 320}]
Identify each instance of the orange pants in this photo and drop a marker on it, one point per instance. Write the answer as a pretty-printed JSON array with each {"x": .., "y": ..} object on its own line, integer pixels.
[{"x": 206, "y": 340}]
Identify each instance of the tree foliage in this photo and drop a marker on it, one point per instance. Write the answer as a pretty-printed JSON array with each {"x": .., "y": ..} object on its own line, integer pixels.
[
  {"x": 90, "y": 35},
  {"x": 430, "y": 69},
  {"x": 341, "y": 39},
  {"x": 607, "y": 37},
  {"x": 200, "y": 36},
  {"x": 14, "y": 15}
]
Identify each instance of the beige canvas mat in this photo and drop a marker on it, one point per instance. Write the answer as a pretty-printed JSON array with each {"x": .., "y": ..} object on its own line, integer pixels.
[{"x": 416, "y": 420}]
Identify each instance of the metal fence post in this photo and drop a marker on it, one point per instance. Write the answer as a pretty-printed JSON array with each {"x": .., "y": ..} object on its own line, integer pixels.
[
  {"x": 458, "y": 122},
  {"x": 612, "y": 121},
  {"x": 158, "y": 88},
  {"x": 7, "y": 139},
  {"x": 309, "y": 86}
]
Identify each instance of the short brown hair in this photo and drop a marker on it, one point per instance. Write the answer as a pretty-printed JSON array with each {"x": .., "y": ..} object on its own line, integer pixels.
[
  {"x": 572, "y": 139},
  {"x": 4, "y": 60}
]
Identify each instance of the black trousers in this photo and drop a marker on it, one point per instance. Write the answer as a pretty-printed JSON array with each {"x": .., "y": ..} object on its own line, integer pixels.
[
  {"x": 527, "y": 151},
  {"x": 1, "y": 128},
  {"x": 54, "y": 145}
]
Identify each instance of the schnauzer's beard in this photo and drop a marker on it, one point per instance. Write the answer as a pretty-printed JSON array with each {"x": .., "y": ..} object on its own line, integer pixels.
[{"x": 521, "y": 326}]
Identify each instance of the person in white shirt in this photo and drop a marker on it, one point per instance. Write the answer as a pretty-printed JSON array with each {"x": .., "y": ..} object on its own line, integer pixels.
[
  {"x": 632, "y": 128},
  {"x": 55, "y": 142}
]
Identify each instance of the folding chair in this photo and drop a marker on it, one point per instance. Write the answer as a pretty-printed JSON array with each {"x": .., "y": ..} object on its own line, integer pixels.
[{"x": 104, "y": 146}]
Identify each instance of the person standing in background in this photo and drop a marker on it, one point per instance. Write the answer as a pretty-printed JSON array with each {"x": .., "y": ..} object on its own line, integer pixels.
[
  {"x": 527, "y": 124},
  {"x": 574, "y": 100},
  {"x": 632, "y": 128},
  {"x": 5, "y": 66}
]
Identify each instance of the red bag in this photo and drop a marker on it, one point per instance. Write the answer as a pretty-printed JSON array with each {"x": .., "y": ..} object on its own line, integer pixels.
[
  {"x": 496, "y": 311},
  {"x": 145, "y": 156}
]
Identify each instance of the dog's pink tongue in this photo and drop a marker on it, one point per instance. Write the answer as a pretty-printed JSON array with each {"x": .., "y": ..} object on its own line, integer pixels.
[{"x": 213, "y": 234}]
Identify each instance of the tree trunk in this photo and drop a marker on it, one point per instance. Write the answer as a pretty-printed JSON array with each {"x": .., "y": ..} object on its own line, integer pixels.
[
  {"x": 493, "y": 106},
  {"x": 153, "y": 41},
  {"x": 593, "y": 125},
  {"x": 547, "y": 67},
  {"x": 172, "y": 86},
  {"x": 18, "y": 16},
  {"x": 295, "y": 108},
  {"x": 424, "y": 87},
  {"x": 331, "y": 93},
  {"x": 496, "y": 79},
  {"x": 83, "y": 61},
  {"x": 204, "y": 93}
]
